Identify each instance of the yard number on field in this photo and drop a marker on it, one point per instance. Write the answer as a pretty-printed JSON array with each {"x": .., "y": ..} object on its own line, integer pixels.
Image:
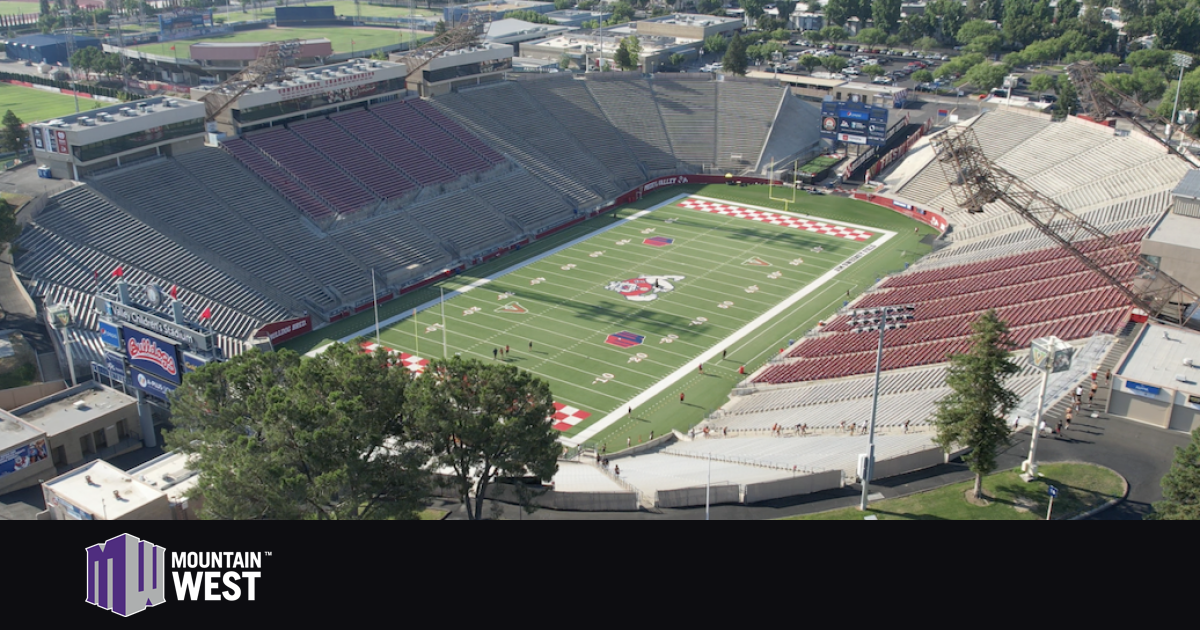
[
  {"x": 668, "y": 339},
  {"x": 637, "y": 358},
  {"x": 798, "y": 261},
  {"x": 596, "y": 254},
  {"x": 698, "y": 321},
  {"x": 775, "y": 276},
  {"x": 603, "y": 378},
  {"x": 537, "y": 281},
  {"x": 725, "y": 304},
  {"x": 647, "y": 230},
  {"x": 623, "y": 241},
  {"x": 568, "y": 267},
  {"x": 472, "y": 310}
]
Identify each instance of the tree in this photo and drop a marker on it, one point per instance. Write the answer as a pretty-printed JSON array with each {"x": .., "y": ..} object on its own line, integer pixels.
[
  {"x": 529, "y": 16},
  {"x": 987, "y": 76},
  {"x": 484, "y": 421},
  {"x": 975, "y": 28},
  {"x": 768, "y": 23},
  {"x": 925, "y": 44},
  {"x": 986, "y": 44},
  {"x": 753, "y": 8},
  {"x": 12, "y": 135},
  {"x": 886, "y": 14},
  {"x": 1068, "y": 9},
  {"x": 564, "y": 62},
  {"x": 628, "y": 55},
  {"x": 1068, "y": 99},
  {"x": 1144, "y": 84},
  {"x": 1106, "y": 62},
  {"x": 781, "y": 35},
  {"x": 281, "y": 436},
  {"x": 834, "y": 34},
  {"x": 836, "y": 13},
  {"x": 872, "y": 36},
  {"x": 810, "y": 62},
  {"x": 735, "y": 60},
  {"x": 622, "y": 12},
  {"x": 833, "y": 63},
  {"x": 562, "y": 5},
  {"x": 1178, "y": 30},
  {"x": 710, "y": 7},
  {"x": 973, "y": 414},
  {"x": 9, "y": 228},
  {"x": 439, "y": 28},
  {"x": 677, "y": 59},
  {"x": 922, "y": 76},
  {"x": 873, "y": 70},
  {"x": 945, "y": 18},
  {"x": 786, "y": 8},
  {"x": 715, "y": 44},
  {"x": 1041, "y": 83},
  {"x": 1181, "y": 486}
]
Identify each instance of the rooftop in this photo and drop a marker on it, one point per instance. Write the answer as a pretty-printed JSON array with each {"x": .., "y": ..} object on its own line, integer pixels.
[
  {"x": 1176, "y": 229},
  {"x": 687, "y": 19},
  {"x": 1157, "y": 359},
  {"x": 509, "y": 27},
  {"x": 297, "y": 76},
  {"x": 1189, "y": 186},
  {"x": 91, "y": 486},
  {"x": 168, "y": 473},
  {"x": 56, "y": 415},
  {"x": 122, "y": 111},
  {"x": 14, "y": 433}
]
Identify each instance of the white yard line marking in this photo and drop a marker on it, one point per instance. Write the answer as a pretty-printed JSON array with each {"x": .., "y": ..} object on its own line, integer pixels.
[
  {"x": 499, "y": 274},
  {"x": 690, "y": 367}
]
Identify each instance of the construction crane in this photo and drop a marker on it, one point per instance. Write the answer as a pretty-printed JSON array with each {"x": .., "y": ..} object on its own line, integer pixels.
[
  {"x": 271, "y": 65},
  {"x": 1103, "y": 98},
  {"x": 460, "y": 35},
  {"x": 976, "y": 182}
]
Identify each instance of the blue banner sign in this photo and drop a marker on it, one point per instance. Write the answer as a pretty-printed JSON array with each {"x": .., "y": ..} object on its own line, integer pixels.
[
  {"x": 151, "y": 385},
  {"x": 152, "y": 354}
]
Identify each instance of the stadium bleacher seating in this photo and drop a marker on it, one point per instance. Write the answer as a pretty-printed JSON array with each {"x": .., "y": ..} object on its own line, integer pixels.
[
  {"x": 689, "y": 113},
  {"x": 321, "y": 174},
  {"x": 632, "y": 110}
]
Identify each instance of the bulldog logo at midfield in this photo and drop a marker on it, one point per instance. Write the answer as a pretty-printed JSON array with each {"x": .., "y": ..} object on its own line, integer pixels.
[{"x": 645, "y": 288}]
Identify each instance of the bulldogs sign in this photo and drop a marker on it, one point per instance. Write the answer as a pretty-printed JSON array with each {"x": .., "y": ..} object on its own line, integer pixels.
[
  {"x": 152, "y": 354},
  {"x": 645, "y": 288}
]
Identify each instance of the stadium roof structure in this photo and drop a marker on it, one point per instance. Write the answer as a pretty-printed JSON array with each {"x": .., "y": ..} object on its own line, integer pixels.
[
  {"x": 1159, "y": 357},
  {"x": 1175, "y": 229},
  {"x": 503, "y": 30},
  {"x": 1189, "y": 186}
]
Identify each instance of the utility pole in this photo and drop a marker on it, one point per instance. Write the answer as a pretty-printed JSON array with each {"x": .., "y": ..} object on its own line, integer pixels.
[{"x": 70, "y": 51}]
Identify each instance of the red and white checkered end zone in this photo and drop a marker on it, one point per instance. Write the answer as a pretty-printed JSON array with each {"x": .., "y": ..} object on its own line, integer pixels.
[
  {"x": 413, "y": 363},
  {"x": 777, "y": 219},
  {"x": 566, "y": 416}
]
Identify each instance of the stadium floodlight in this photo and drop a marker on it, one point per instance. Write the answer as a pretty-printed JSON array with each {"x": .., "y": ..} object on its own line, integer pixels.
[
  {"x": 1182, "y": 61},
  {"x": 870, "y": 320}
]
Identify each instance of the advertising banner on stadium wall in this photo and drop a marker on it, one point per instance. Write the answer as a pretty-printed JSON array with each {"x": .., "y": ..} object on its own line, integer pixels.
[
  {"x": 22, "y": 456},
  {"x": 110, "y": 335},
  {"x": 927, "y": 217},
  {"x": 675, "y": 180},
  {"x": 279, "y": 332}
]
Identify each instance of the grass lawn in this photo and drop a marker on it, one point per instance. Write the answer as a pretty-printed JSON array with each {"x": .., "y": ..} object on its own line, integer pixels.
[
  {"x": 340, "y": 7},
  {"x": 343, "y": 39},
  {"x": 17, "y": 8},
  {"x": 430, "y": 514},
  {"x": 1081, "y": 487},
  {"x": 32, "y": 104},
  {"x": 723, "y": 272},
  {"x": 16, "y": 199}
]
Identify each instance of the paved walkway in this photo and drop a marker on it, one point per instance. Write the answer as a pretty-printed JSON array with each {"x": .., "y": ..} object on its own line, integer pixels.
[{"x": 1138, "y": 451}]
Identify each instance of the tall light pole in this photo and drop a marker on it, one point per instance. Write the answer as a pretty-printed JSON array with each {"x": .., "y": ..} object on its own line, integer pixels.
[
  {"x": 1183, "y": 61},
  {"x": 880, "y": 319},
  {"x": 70, "y": 53},
  {"x": 1048, "y": 354}
]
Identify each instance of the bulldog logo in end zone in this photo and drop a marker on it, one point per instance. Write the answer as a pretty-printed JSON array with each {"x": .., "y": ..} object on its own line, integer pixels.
[{"x": 645, "y": 288}]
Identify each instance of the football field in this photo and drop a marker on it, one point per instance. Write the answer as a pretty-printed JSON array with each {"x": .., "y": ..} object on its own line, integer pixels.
[{"x": 623, "y": 315}]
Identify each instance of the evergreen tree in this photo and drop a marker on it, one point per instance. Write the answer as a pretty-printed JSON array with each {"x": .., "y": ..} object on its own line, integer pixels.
[
  {"x": 9, "y": 228},
  {"x": 886, "y": 14},
  {"x": 973, "y": 414},
  {"x": 1181, "y": 486},
  {"x": 12, "y": 133},
  {"x": 484, "y": 421},
  {"x": 736, "y": 60}
]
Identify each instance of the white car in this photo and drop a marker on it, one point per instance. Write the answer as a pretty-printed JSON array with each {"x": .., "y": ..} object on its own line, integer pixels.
[
  {"x": 881, "y": 80},
  {"x": 851, "y": 71}
]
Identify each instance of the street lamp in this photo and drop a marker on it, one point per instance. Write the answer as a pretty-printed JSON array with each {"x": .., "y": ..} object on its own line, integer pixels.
[
  {"x": 1050, "y": 355},
  {"x": 1183, "y": 61},
  {"x": 882, "y": 318}
]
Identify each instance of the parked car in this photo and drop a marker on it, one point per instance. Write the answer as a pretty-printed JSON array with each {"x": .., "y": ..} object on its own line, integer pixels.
[
  {"x": 882, "y": 79},
  {"x": 851, "y": 71},
  {"x": 1048, "y": 98}
]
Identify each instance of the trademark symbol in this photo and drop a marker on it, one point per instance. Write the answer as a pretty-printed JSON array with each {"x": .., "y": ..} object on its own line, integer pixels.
[{"x": 267, "y": 553}]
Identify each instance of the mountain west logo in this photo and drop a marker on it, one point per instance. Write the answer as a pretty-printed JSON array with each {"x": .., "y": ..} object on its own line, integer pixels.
[
  {"x": 126, "y": 575},
  {"x": 645, "y": 288},
  {"x": 147, "y": 350}
]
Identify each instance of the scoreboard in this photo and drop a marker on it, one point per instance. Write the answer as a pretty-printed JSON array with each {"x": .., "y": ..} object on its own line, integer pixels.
[{"x": 854, "y": 123}]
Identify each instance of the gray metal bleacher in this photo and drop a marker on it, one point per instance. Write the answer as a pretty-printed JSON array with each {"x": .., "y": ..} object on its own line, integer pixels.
[
  {"x": 630, "y": 107},
  {"x": 479, "y": 122},
  {"x": 199, "y": 216},
  {"x": 393, "y": 244},
  {"x": 569, "y": 101},
  {"x": 745, "y": 113},
  {"x": 509, "y": 105},
  {"x": 528, "y": 200},
  {"x": 689, "y": 113},
  {"x": 464, "y": 220},
  {"x": 260, "y": 207}
]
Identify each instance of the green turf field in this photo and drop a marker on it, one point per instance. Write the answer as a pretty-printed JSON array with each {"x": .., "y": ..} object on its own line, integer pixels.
[
  {"x": 343, "y": 39},
  {"x": 18, "y": 8},
  {"x": 340, "y": 7},
  {"x": 569, "y": 313},
  {"x": 32, "y": 104}
]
